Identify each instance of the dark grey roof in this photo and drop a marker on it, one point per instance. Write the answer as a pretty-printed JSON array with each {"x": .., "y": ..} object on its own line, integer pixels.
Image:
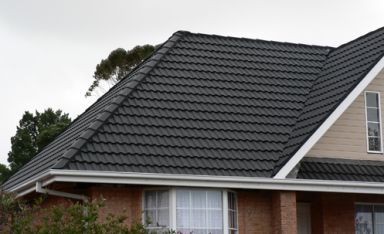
[
  {"x": 344, "y": 68},
  {"x": 341, "y": 169},
  {"x": 212, "y": 105}
]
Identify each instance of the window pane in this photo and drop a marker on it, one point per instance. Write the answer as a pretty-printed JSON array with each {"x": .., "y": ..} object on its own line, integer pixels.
[
  {"x": 163, "y": 218},
  {"x": 182, "y": 218},
  {"x": 373, "y": 114},
  {"x": 198, "y": 219},
  {"x": 232, "y": 212},
  {"x": 374, "y": 144},
  {"x": 379, "y": 218},
  {"x": 198, "y": 199},
  {"x": 199, "y": 211},
  {"x": 150, "y": 200},
  {"x": 214, "y": 199},
  {"x": 156, "y": 209},
  {"x": 182, "y": 199},
  {"x": 363, "y": 219},
  {"x": 372, "y": 99},
  {"x": 150, "y": 218},
  {"x": 215, "y": 219},
  {"x": 162, "y": 199},
  {"x": 373, "y": 129}
]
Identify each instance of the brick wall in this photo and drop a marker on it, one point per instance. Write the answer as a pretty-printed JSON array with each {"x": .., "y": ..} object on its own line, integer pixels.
[
  {"x": 266, "y": 212},
  {"x": 119, "y": 200},
  {"x": 254, "y": 212},
  {"x": 338, "y": 213},
  {"x": 284, "y": 212}
]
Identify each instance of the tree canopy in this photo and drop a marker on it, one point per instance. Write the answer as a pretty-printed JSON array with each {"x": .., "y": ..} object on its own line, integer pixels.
[
  {"x": 34, "y": 132},
  {"x": 118, "y": 64}
]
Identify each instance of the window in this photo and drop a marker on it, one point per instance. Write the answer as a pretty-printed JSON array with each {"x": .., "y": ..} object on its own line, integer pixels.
[
  {"x": 156, "y": 210},
  {"x": 373, "y": 117},
  {"x": 369, "y": 218},
  {"x": 199, "y": 211},
  {"x": 303, "y": 218},
  {"x": 232, "y": 213},
  {"x": 187, "y": 211}
]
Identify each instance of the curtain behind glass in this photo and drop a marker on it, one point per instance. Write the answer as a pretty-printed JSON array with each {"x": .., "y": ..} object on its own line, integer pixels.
[
  {"x": 156, "y": 209},
  {"x": 379, "y": 218},
  {"x": 363, "y": 219},
  {"x": 199, "y": 212}
]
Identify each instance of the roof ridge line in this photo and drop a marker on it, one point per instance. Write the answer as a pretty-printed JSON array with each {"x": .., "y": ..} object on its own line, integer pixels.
[
  {"x": 135, "y": 77},
  {"x": 259, "y": 40},
  {"x": 358, "y": 38}
]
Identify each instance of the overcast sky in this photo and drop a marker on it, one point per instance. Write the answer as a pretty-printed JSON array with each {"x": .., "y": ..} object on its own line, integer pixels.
[{"x": 49, "y": 48}]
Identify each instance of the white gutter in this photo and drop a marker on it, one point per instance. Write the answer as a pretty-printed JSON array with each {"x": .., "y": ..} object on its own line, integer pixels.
[
  {"x": 151, "y": 179},
  {"x": 40, "y": 189}
]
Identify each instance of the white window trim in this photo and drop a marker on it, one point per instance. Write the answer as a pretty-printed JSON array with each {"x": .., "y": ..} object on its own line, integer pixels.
[
  {"x": 143, "y": 218},
  {"x": 366, "y": 123},
  {"x": 236, "y": 207},
  {"x": 172, "y": 205}
]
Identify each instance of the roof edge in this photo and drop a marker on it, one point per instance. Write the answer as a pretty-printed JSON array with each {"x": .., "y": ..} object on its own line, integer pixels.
[
  {"x": 184, "y": 180},
  {"x": 141, "y": 73},
  {"x": 290, "y": 164}
]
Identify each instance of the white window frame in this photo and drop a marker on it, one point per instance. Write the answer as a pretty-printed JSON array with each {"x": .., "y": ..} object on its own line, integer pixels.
[
  {"x": 380, "y": 123},
  {"x": 225, "y": 202},
  {"x": 172, "y": 205},
  {"x": 143, "y": 218}
]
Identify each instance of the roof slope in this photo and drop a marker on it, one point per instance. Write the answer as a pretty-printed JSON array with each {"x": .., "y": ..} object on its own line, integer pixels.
[
  {"x": 81, "y": 128},
  {"x": 345, "y": 67},
  {"x": 341, "y": 169},
  {"x": 211, "y": 105}
]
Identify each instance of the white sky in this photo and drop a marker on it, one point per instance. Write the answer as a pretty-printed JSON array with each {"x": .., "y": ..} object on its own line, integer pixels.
[{"x": 49, "y": 48}]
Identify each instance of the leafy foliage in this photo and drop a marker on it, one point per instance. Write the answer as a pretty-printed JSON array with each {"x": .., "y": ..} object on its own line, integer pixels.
[
  {"x": 34, "y": 132},
  {"x": 118, "y": 64},
  {"x": 4, "y": 173},
  {"x": 18, "y": 217}
]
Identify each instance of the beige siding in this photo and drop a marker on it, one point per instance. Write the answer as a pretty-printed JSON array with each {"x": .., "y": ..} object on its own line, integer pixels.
[{"x": 347, "y": 137}]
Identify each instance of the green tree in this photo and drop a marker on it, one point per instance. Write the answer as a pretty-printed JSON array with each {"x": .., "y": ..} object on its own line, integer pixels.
[
  {"x": 4, "y": 173},
  {"x": 118, "y": 64},
  {"x": 34, "y": 132}
]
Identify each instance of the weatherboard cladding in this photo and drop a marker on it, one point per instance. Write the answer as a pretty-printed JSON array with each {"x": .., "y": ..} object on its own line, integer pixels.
[
  {"x": 341, "y": 169},
  {"x": 210, "y": 105}
]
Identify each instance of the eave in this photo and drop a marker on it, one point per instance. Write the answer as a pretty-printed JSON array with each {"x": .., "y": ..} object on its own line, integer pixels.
[{"x": 150, "y": 179}]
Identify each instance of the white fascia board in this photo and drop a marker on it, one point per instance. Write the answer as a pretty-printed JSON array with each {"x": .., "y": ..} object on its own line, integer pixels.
[
  {"x": 304, "y": 149},
  {"x": 29, "y": 186},
  {"x": 150, "y": 179}
]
